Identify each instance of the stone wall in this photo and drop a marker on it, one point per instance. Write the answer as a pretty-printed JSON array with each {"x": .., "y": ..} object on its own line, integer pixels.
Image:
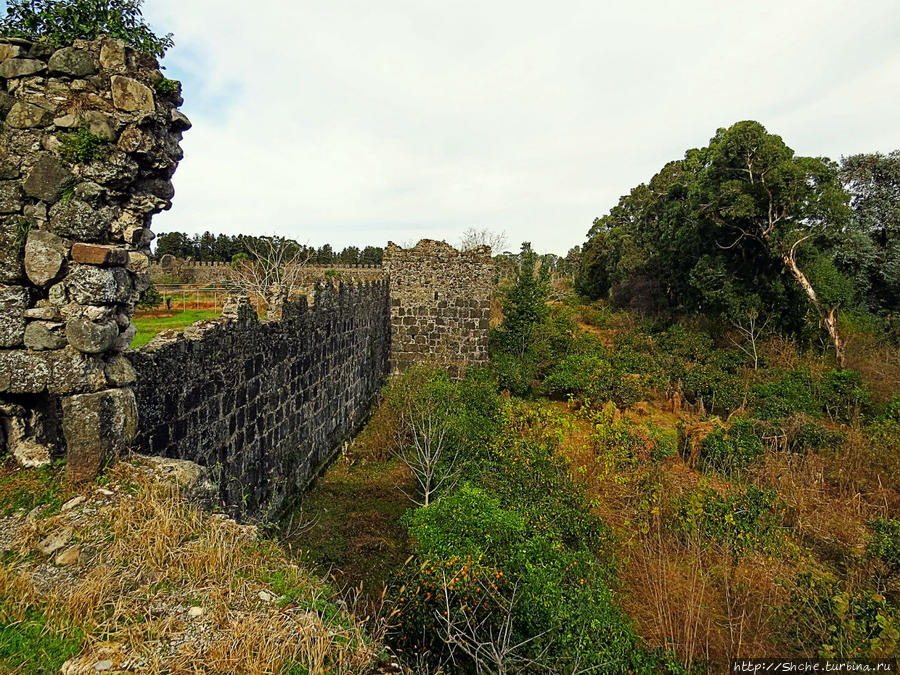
[
  {"x": 440, "y": 304},
  {"x": 88, "y": 146},
  {"x": 264, "y": 404},
  {"x": 175, "y": 270}
]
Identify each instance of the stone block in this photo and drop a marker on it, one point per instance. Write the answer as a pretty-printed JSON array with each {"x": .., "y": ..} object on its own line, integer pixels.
[
  {"x": 130, "y": 95},
  {"x": 21, "y": 68},
  {"x": 47, "y": 179},
  {"x": 11, "y": 197},
  {"x": 90, "y": 337},
  {"x": 45, "y": 335},
  {"x": 94, "y": 254},
  {"x": 13, "y": 303},
  {"x": 45, "y": 255},
  {"x": 97, "y": 428},
  {"x": 112, "y": 54},
  {"x": 23, "y": 372},
  {"x": 78, "y": 220},
  {"x": 72, "y": 61},
  {"x": 72, "y": 371},
  {"x": 27, "y": 115},
  {"x": 89, "y": 285}
]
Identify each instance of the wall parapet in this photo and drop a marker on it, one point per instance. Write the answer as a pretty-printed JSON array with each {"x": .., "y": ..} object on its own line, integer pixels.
[{"x": 264, "y": 404}]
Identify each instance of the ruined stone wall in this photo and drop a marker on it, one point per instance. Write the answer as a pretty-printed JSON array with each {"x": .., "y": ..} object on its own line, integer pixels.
[
  {"x": 440, "y": 304},
  {"x": 87, "y": 151},
  {"x": 264, "y": 404},
  {"x": 194, "y": 272}
]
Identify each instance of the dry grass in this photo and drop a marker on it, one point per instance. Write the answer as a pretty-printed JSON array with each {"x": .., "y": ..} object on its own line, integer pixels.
[{"x": 148, "y": 556}]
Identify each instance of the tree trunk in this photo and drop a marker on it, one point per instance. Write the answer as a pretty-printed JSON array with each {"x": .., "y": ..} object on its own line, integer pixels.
[{"x": 827, "y": 314}]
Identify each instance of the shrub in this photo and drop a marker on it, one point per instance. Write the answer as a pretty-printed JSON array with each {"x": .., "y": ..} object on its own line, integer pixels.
[
  {"x": 62, "y": 21},
  {"x": 686, "y": 344},
  {"x": 731, "y": 449},
  {"x": 810, "y": 436},
  {"x": 745, "y": 519},
  {"x": 885, "y": 542},
  {"x": 720, "y": 390},
  {"x": 592, "y": 378},
  {"x": 167, "y": 87},
  {"x": 838, "y": 623},
  {"x": 790, "y": 394},
  {"x": 81, "y": 146},
  {"x": 513, "y": 373},
  {"x": 844, "y": 395},
  {"x": 150, "y": 299}
]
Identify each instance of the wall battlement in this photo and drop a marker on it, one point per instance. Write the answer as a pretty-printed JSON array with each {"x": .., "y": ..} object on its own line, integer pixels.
[{"x": 264, "y": 403}]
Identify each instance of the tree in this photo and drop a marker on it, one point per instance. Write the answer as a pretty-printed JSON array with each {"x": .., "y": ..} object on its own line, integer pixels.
[
  {"x": 349, "y": 256},
  {"x": 754, "y": 189},
  {"x": 475, "y": 237},
  {"x": 274, "y": 267},
  {"x": 371, "y": 255},
  {"x": 525, "y": 303},
  {"x": 62, "y": 21}
]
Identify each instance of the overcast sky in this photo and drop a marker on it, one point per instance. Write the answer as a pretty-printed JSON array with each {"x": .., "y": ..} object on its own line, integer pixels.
[{"x": 356, "y": 122}]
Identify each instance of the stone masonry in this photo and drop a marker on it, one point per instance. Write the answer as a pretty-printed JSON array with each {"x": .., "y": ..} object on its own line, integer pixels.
[
  {"x": 264, "y": 404},
  {"x": 440, "y": 304},
  {"x": 88, "y": 146}
]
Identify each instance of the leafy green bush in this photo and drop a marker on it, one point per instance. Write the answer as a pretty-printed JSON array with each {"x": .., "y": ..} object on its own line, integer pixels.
[
  {"x": 745, "y": 519},
  {"x": 681, "y": 342},
  {"x": 513, "y": 373},
  {"x": 844, "y": 395},
  {"x": 720, "y": 390},
  {"x": 150, "y": 299},
  {"x": 885, "y": 543},
  {"x": 167, "y": 87},
  {"x": 822, "y": 617},
  {"x": 592, "y": 378},
  {"x": 81, "y": 146},
  {"x": 61, "y": 21},
  {"x": 809, "y": 436},
  {"x": 790, "y": 394},
  {"x": 731, "y": 449}
]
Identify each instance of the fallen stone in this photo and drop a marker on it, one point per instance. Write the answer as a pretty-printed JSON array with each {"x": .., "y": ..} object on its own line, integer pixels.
[
  {"x": 68, "y": 557},
  {"x": 72, "y": 503},
  {"x": 26, "y": 115},
  {"x": 97, "y": 427},
  {"x": 55, "y": 541},
  {"x": 45, "y": 335},
  {"x": 89, "y": 285},
  {"x": 105, "y": 492},
  {"x": 101, "y": 666},
  {"x": 91, "y": 338},
  {"x": 45, "y": 254},
  {"x": 20, "y": 67},
  {"x": 196, "y": 612},
  {"x": 130, "y": 95},
  {"x": 47, "y": 179},
  {"x": 266, "y": 597},
  {"x": 72, "y": 61},
  {"x": 93, "y": 254},
  {"x": 11, "y": 199},
  {"x": 13, "y": 302}
]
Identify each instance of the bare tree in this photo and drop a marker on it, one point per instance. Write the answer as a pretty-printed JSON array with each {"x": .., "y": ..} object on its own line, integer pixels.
[
  {"x": 489, "y": 640},
  {"x": 751, "y": 331},
  {"x": 421, "y": 440},
  {"x": 473, "y": 238},
  {"x": 274, "y": 265}
]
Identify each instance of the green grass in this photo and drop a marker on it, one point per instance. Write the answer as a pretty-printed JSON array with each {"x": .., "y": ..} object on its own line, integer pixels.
[
  {"x": 32, "y": 647},
  {"x": 147, "y": 328}
]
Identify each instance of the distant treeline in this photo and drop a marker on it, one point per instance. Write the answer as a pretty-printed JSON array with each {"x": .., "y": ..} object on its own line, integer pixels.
[{"x": 209, "y": 247}]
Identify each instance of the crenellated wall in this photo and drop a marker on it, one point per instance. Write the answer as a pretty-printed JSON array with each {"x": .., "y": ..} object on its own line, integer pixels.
[
  {"x": 88, "y": 146},
  {"x": 265, "y": 403}
]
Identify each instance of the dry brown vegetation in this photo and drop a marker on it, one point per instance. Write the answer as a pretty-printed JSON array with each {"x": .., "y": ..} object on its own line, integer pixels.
[{"x": 154, "y": 584}]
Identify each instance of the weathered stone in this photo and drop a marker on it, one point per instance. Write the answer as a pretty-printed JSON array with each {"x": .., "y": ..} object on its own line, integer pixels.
[
  {"x": 20, "y": 67},
  {"x": 91, "y": 338},
  {"x": 45, "y": 335},
  {"x": 55, "y": 540},
  {"x": 43, "y": 313},
  {"x": 72, "y": 61},
  {"x": 134, "y": 140},
  {"x": 130, "y": 95},
  {"x": 120, "y": 372},
  {"x": 68, "y": 557},
  {"x": 88, "y": 285},
  {"x": 35, "y": 213},
  {"x": 138, "y": 263},
  {"x": 180, "y": 121},
  {"x": 26, "y": 115},
  {"x": 45, "y": 254},
  {"x": 78, "y": 500},
  {"x": 126, "y": 337},
  {"x": 13, "y": 301},
  {"x": 8, "y": 170},
  {"x": 6, "y": 103},
  {"x": 72, "y": 371},
  {"x": 12, "y": 242},
  {"x": 98, "y": 124},
  {"x": 97, "y": 428},
  {"x": 94, "y": 254},
  {"x": 27, "y": 433},
  {"x": 76, "y": 219},
  {"x": 11, "y": 198},
  {"x": 112, "y": 54},
  {"x": 67, "y": 121},
  {"x": 23, "y": 372},
  {"x": 117, "y": 170},
  {"x": 57, "y": 295},
  {"x": 8, "y": 51},
  {"x": 47, "y": 179}
]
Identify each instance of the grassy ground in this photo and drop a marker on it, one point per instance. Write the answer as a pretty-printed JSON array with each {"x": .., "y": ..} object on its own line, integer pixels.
[
  {"x": 142, "y": 578},
  {"x": 148, "y": 327}
]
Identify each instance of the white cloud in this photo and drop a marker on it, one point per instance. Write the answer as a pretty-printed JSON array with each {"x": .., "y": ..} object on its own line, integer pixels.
[{"x": 356, "y": 122}]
